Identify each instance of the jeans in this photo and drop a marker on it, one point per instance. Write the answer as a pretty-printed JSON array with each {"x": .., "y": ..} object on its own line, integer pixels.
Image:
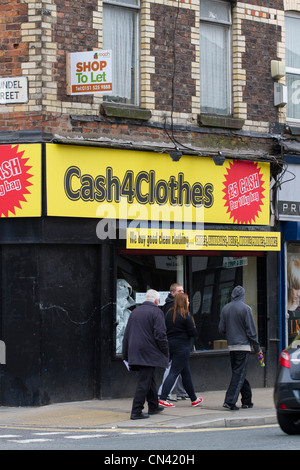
[
  {"x": 180, "y": 365},
  {"x": 239, "y": 383},
  {"x": 145, "y": 390},
  {"x": 177, "y": 386}
]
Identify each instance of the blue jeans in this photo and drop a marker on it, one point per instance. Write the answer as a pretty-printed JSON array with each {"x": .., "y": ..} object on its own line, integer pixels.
[
  {"x": 180, "y": 365},
  {"x": 239, "y": 383}
]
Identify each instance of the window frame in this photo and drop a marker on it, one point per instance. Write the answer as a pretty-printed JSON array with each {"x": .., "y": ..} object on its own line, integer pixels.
[
  {"x": 136, "y": 82},
  {"x": 226, "y": 25},
  {"x": 291, "y": 70}
]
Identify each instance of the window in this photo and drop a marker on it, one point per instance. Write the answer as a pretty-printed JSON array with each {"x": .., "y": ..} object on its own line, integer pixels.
[
  {"x": 293, "y": 292},
  {"x": 208, "y": 280},
  {"x": 292, "y": 48},
  {"x": 213, "y": 279},
  {"x": 120, "y": 35},
  {"x": 215, "y": 57}
]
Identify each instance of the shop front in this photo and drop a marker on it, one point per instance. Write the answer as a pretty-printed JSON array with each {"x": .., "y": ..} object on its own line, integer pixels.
[
  {"x": 289, "y": 217},
  {"x": 111, "y": 224}
]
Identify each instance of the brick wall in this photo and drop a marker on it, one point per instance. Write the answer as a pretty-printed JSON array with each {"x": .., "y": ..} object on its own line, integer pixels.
[
  {"x": 258, "y": 91},
  {"x": 73, "y": 32},
  {"x": 36, "y": 36},
  {"x": 174, "y": 55},
  {"x": 13, "y": 49}
]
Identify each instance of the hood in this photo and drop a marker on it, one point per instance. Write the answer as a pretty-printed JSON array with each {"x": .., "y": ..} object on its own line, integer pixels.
[
  {"x": 238, "y": 293},
  {"x": 169, "y": 299}
]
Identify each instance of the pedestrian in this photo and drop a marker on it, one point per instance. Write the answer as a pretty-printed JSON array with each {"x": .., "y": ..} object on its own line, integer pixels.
[
  {"x": 145, "y": 347},
  {"x": 178, "y": 388},
  {"x": 175, "y": 288},
  {"x": 236, "y": 322},
  {"x": 180, "y": 330}
]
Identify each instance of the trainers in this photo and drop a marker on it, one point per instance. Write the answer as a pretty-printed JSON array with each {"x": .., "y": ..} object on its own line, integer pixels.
[
  {"x": 166, "y": 404},
  {"x": 248, "y": 406},
  {"x": 170, "y": 398},
  {"x": 230, "y": 407},
  {"x": 197, "y": 402}
]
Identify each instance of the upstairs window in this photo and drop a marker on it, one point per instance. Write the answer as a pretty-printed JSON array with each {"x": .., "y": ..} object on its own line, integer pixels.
[
  {"x": 121, "y": 36},
  {"x": 215, "y": 57},
  {"x": 292, "y": 57}
]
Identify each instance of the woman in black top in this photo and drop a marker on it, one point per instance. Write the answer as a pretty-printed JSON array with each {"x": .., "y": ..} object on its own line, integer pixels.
[{"x": 180, "y": 330}]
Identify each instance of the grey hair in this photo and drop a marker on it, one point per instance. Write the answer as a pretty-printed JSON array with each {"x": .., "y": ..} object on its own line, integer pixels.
[{"x": 152, "y": 295}]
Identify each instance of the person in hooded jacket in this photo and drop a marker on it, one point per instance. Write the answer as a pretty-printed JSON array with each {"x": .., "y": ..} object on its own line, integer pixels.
[{"x": 237, "y": 324}]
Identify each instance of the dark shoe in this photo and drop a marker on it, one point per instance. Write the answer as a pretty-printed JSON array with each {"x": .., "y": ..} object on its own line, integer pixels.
[
  {"x": 139, "y": 416},
  {"x": 230, "y": 407},
  {"x": 248, "y": 406},
  {"x": 156, "y": 410}
]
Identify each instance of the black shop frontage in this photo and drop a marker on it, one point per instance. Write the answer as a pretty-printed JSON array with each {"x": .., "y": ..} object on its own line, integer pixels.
[{"x": 91, "y": 230}]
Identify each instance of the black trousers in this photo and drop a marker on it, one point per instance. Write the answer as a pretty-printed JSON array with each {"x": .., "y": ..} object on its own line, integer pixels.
[
  {"x": 180, "y": 365},
  {"x": 239, "y": 383},
  {"x": 145, "y": 390}
]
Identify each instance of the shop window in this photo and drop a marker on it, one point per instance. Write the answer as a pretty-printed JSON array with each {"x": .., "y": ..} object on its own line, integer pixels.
[
  {"x": 293, "y": 292},
  {"x": 215, "y": 57},
  {"x": 120, "y": 35},
  {"x": 292, "y": 54},
  {"x": 208, "y": 280},
  {"x": 135, "y": 275}
]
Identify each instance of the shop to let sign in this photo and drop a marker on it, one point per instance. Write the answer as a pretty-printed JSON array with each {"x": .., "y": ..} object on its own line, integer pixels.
[
  {"x": 89, "y": 72},
  {"x": 172, "y": 239}
]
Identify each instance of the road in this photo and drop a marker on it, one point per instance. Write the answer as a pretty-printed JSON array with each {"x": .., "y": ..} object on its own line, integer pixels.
[{"x": 249, "y": 438}]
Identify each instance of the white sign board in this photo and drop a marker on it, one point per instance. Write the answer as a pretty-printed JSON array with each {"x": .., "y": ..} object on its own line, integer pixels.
[
  {"x": 13, "y": 90},
  {"x": 140, "y": 297},
  {"x": 288, "y": 194},
  {"x": 89, "y": 72}
]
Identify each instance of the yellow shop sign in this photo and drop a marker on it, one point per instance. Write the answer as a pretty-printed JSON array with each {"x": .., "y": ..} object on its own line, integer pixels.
[
  {"x": 122, "y": 184},
  {"x": 174, "y": 239}
]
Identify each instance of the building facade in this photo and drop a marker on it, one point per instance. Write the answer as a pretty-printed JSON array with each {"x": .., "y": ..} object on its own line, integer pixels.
[{"x": 168, "y": 172}]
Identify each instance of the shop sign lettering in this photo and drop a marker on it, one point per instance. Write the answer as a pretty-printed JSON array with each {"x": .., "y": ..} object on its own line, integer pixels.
[
  {"x": 89, "y": 72},
  {"x": 109, "y": 188},
  {"x": 188, "y": 239},
  {"x": 243, "y": 191}
]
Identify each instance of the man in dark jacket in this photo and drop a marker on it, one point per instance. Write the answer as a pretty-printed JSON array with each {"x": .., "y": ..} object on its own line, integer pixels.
[
  {"x": 237, "y": 324},
  {"x": 169, "y": 302},
  {"x": 145, "y": 347}
]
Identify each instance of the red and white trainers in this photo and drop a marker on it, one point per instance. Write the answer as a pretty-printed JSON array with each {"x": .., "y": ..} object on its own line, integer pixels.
[
  {"x": 165, "y": 403},
  {"x": 197, "y": 402}
]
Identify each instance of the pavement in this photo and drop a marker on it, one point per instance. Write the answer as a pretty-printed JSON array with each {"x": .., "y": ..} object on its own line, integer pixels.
[{"x": 115, "y": 414}]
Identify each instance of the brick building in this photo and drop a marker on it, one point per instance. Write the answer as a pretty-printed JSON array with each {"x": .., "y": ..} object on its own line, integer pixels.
[{"x": 192, "y": 83}]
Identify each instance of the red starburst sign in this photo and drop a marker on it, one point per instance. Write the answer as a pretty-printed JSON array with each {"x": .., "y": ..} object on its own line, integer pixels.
[
  {"x": 243, "y": 191},
  {"x": 14, "y": 176}
]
